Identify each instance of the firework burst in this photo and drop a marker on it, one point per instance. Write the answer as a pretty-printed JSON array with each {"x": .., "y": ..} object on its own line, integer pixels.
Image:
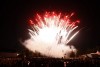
[{"x": 51, "y": 34}]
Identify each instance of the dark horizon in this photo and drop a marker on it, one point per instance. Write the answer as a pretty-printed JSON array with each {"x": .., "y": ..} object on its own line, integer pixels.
[{"x": 15, "y": 16}]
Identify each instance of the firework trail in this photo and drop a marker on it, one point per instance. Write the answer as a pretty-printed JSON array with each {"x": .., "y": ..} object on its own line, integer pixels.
[{"x": 51, "y": 34}]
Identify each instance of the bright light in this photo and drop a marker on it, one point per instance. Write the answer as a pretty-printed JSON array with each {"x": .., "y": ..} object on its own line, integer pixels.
[{"x": 51, "y": 35}]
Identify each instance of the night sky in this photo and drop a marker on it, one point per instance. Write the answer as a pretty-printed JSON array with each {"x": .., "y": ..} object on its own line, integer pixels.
[{"x": 16, "y": 14}]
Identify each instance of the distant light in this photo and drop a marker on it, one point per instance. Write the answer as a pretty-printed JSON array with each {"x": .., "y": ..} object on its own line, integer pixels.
[{"x": 17, "y": 54}]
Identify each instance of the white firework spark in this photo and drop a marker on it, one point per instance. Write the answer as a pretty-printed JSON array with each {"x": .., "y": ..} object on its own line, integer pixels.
[{"x": 51, "y": 35}]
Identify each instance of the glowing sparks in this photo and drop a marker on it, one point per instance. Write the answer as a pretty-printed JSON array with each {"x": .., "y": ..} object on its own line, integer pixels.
[{"x": 51, "y": 35}]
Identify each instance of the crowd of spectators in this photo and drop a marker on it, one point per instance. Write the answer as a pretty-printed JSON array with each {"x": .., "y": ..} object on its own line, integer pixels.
[{"x": 48, "y": 62}]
